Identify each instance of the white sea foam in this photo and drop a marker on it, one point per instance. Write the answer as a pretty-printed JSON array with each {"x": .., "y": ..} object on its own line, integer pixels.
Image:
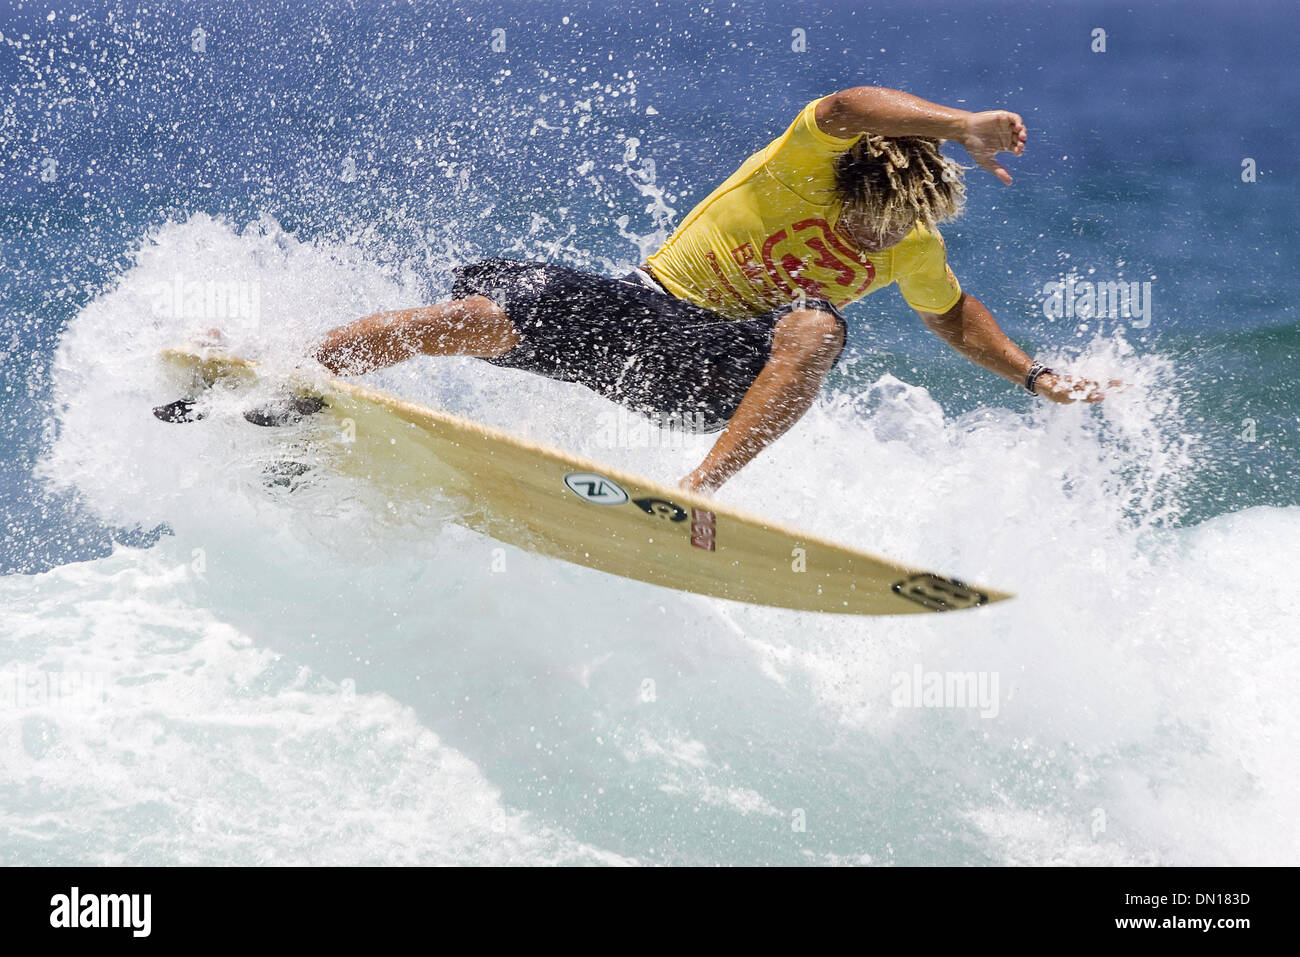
[{"x": 313, "y": 676}]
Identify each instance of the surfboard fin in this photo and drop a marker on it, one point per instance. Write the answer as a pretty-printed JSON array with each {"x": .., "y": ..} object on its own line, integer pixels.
[
  {"x": 286, "y": 411},
  {"x": 286, "y": 474},
  {"x": 182, "y": 410},
  {"x": 281, "y": 412}
]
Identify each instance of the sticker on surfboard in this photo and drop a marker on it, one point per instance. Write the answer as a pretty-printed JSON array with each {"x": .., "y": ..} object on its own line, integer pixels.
[
  {"x": 938, "y": 593},
  {"x": 661, "y": 508},
  {"x": 704, "y": 529},
  {"x": 595, "y": 488}
]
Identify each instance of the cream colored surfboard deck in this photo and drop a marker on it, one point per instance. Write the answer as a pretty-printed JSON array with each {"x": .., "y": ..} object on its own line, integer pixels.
[{"x": 550, "y": 502}]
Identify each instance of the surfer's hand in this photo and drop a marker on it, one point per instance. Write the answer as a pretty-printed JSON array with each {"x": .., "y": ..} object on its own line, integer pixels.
[
  {"x": 695, "y": 482},
  {"x": 1065, "y": 389},
  {"x": 990, "y": 133}
]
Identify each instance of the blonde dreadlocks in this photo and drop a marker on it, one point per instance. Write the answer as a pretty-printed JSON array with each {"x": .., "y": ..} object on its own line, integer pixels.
[{"x": 891, "y": 181}]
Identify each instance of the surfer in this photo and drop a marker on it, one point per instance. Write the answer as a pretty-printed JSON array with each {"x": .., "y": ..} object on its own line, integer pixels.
[{"x": 734, "y": 324}]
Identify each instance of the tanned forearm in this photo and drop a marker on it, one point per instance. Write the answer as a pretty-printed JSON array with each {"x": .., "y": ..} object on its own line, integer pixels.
[
  {"x": 971, "y": 329},
  {"x": 874, "y": 109}
]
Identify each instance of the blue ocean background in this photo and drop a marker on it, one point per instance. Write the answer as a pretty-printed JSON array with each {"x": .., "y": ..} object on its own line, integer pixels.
[{"x": 347, "y": 155}]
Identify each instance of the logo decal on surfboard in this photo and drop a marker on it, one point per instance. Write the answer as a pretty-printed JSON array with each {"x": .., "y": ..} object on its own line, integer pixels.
[
  {"x": 938, "y": 593},
  {"x": 704, "y": 529},
  {"x": 661, "y": 508},
  {"x": 594, "y": 488}
]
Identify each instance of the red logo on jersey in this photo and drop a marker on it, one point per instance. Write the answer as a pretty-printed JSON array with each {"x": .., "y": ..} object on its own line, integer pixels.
[
  {"x": 808, "y": 243},
  {"x": 747, "y": 261}
]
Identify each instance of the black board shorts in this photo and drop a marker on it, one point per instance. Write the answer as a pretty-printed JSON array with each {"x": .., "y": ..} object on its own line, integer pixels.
[{"x": 641, "y": 347}]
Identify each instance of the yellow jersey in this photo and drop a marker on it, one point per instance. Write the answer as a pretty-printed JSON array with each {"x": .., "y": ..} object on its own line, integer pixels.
[{"x": 769, "y": 231}]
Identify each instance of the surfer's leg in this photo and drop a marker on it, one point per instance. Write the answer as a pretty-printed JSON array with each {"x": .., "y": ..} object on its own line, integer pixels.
[
  {"x": 473, "y": 326},
  {"x": 805, "y": 345}
]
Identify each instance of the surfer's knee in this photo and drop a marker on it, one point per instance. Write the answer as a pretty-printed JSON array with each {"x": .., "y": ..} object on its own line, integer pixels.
[
  {"x": 809, "y": 337},
  {"x": 472, "y": 326},
  {"x": 488, "y": 329}
]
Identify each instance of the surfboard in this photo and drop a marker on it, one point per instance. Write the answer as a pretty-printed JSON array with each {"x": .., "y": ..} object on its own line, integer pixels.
[{"x": 565, "y": 506}]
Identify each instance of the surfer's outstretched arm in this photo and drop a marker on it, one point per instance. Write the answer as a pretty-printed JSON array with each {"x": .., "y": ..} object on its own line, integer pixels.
[
  {"x": 473, "y": 326},
  {"x": 971, "y": 329},
  {"x": 893, "y": 113},
  {"x": 805, "y": 344}
]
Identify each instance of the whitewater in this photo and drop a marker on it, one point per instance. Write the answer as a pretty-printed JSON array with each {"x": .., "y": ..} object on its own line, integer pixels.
[{"x": 313, "y": 673}]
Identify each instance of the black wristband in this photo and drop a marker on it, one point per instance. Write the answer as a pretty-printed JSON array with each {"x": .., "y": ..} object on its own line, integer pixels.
[{"x": 1031, "y": 380}]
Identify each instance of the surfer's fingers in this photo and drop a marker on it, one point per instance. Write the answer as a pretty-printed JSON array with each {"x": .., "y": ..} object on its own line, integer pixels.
[
  {"x": 1018, "y": 133},
  {"x": 1008, "y": 132},
  {"x": 996, "y": 168}
]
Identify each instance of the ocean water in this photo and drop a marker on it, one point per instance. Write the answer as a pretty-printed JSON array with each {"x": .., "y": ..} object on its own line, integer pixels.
[{"x": 199, "y": 667}]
